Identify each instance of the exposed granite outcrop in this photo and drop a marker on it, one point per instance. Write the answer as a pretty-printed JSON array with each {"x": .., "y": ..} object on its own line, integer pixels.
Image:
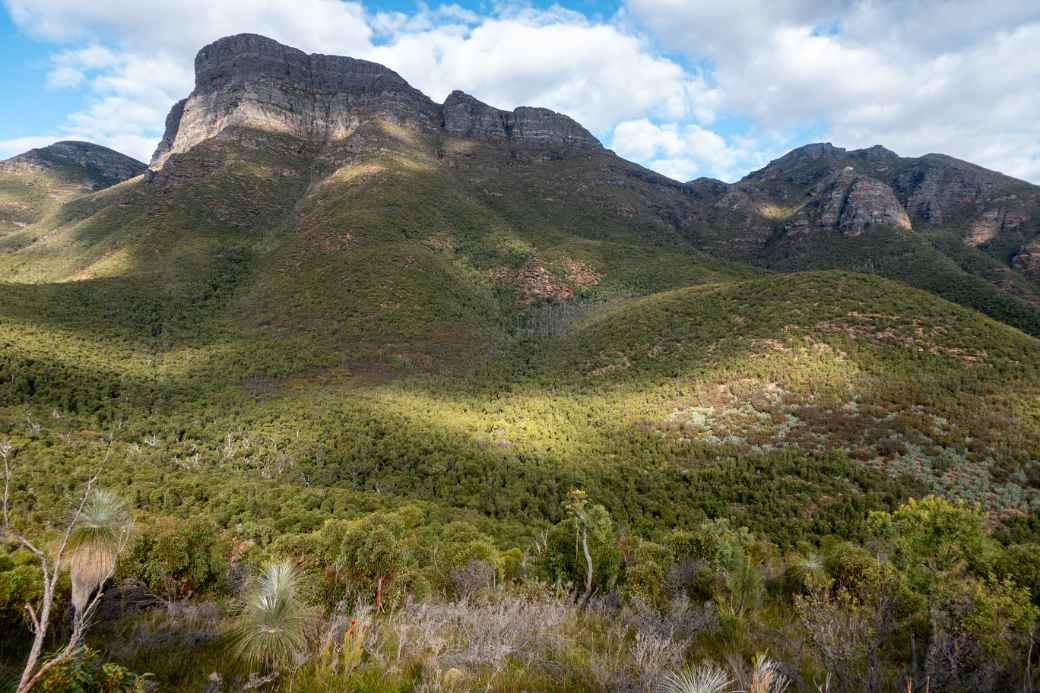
[
  {"x": 103, "y": 167},
  {"x": 249, "y": 81},
  {"x": 465, "y": 116}
]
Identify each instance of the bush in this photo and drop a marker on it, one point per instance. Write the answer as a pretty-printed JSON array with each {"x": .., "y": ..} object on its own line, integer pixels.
[
  {"x": 84, "y": 672},
  {"x": 178, "y": 558}
]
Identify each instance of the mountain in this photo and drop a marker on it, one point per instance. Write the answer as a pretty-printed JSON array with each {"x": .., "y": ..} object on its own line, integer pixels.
[
  {"x": 934, "y": 222},
  {"x": 820, "y": 186},
  {"x": 37, "y": 182},
  {"x": 384, "y": 339},
  {"x": 360, "y": 289}
]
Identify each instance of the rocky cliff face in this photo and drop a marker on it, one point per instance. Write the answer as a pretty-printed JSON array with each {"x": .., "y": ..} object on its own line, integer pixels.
[
  {"x": 100, "y": 166},
  {"x": 465, "y": 116},
  {"x": 820, "y": 186},
  {"x": 252, "y": 82},
  {"x": 850, "y": 203},
  {"x": 939, "y": 189}
]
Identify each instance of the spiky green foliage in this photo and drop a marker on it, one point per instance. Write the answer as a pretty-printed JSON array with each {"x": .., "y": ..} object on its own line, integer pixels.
[
  {"x": 275, "y": 624},
  {"x": 99, "y": 533},
  {"x": 704, "y": 678}
]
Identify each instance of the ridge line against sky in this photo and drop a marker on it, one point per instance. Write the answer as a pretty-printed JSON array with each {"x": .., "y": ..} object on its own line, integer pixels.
[{"x": 685, "y": 87}]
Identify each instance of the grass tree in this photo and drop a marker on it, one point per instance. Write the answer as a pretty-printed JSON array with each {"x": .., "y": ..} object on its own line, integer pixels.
[
  {"x": 275, "y": 623},
  {"x": 94, "y": 535},
  {"x": 704, "y": 678}
]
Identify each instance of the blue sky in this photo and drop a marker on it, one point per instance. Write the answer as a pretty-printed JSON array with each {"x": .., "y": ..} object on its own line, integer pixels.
[{"x": 687, "y": 87}]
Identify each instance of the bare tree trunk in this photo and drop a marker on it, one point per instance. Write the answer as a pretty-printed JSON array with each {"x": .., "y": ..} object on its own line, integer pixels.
[
  {"x": 588, "y": 567},
  {"x": 379, "y": 592},
  {"x": 40, "y": 625},
  {"x": 50, "y": 567},
  {"x": 1027, "y": 684}
]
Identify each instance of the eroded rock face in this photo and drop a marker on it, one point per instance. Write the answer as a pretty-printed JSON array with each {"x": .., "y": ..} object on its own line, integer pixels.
[
  {"x": 850, "y": 203},
  {"x": 103, "y": 166},
  {"x": 465, "y": 116},
  {"x": 992, "y": 223},
  {"x": 938, "y": 189},
  {"x": 1027, "y": 260},
  {"x": 869, "y": 202},
  {"x": 252, "y": 82}
]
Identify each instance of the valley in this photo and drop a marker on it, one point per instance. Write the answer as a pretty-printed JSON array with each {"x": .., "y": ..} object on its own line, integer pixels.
[{"x": 332, "y": 310}]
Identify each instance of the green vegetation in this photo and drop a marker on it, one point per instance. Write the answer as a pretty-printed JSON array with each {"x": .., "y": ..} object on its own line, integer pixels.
[
  {"x": 31, "y": 193},
  {"x": 930, "y": 597},
  {"x": 347, "y": 409},
  {"x": 936, "y": 261}
]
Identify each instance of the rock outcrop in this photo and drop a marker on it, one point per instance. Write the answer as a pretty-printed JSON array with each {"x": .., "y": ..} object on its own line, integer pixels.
[
  {"x": 878, "y": 187},
  {"x": 850, "y": 203},
  {"x": 869, "y": 202},
  {"x": 101, "y": 167},
  {"x": 252, "y": 82},
  {"x": 1027, "y": 260},
  {"x": 940, "y": 189},
  {"x": 465, "y": 116}
]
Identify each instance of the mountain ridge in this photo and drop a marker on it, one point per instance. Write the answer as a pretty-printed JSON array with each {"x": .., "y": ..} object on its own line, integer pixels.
[
  {"x": 969, "y": 234},
  {"x": 106, "y": 166},
  {"x": 248, "y": 80}
]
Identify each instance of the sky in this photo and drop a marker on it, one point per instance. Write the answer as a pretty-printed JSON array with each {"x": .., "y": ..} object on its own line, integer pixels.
[{"x": 689, "y": 88}]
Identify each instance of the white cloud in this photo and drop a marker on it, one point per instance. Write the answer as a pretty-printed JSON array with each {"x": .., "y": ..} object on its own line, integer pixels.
[
  {"x": 138, "y": 57},
  {"x": 184, "y": 26},
  {"x": 684, "y": 152},
  {"x": 952, "y": 76},
  {"x": 17, "y": 145},
  {"x": 594, "y": 72}
]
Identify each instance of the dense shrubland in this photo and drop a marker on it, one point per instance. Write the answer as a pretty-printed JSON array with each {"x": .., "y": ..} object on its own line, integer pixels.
[
  {"x": 931, "y": 594},
  {"x": 346, "y": 426}
]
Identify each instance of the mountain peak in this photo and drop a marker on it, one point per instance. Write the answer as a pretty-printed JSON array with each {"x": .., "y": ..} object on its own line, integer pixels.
[
  {"x": 813, "y": 151},
  {"x": 104, "y": 166},
  {"x": 251, "y": 57},
  {"x": 251, "y": 81},
  {"x": 875, "y": 153},
  {"x": 254, "y": 82},
  {"x": 466, "y": 116}
]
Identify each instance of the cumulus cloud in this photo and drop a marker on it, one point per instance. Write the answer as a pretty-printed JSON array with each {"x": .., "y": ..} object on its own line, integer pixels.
[
  {"x": 684, "y": 152},
  {"x": 594, "y": 72},
  {"x": 185, "y": 26},
  {"x": 951, "y": 76},
  {"x": 138, "y": 57},
  {"x": 659, "y": 80}
]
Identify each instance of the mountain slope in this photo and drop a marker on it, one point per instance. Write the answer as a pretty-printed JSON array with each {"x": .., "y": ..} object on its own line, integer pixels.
[
  {"x": 374, "y": 236},
  {"x": 935, "y": 222},
  {"x": 326, "y": 280},
  {"x": 37, "y": 182}
]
